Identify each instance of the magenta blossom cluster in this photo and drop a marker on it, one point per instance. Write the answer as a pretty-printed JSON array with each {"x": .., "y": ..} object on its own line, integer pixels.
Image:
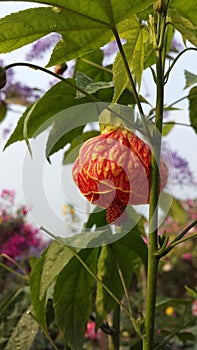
[{"x": 18, "y": 238}]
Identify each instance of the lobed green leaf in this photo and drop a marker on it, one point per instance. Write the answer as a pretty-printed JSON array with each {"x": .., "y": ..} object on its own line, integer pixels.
[
  {"x": 187, "y": 29},
  {"x": 193, "y": 108},
  {"x": 23, "y": 333},
  {"x": 57, "y": 256},
  {"x": 39, "y": 305},
  {"x": 72, "y": 153},
  {"x": 167, "y": 128},
  {"x": 130, "y": 30},
  {"x": 39, "y": 116},
  {"x": 11, "y": 311},
  {"x": 108, "y": 273},
  {"x": 176, "y": 210},
  {"x": 91, "y": 65},
  {"x": 190, "y": 78},
  {"x": 186, "y": 9},
  {"x": 122, "y": 254},
  {"x": 73, "y": 297}
]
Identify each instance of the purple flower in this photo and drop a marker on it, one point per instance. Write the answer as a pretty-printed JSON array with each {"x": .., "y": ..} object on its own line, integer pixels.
[
  {"x": 6, "y": 131},
  {"x": 17, "y": 92},
  {"x": 42, "y": 45},
  {"x": 110, "y": 50},
  {"x": 176, "y": 45},
  {"x": 183, "y": 173},
  {"x": 20, "y": 93}
]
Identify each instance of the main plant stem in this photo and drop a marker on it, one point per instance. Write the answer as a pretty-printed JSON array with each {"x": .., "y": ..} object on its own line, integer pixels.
[{"x": 148, "y": 339}]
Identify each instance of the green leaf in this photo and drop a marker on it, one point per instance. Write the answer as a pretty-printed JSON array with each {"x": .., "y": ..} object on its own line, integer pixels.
[
  {"x": 17, "y": 134},
  {"x": 57, "y": 256},
  {"x": 58, "y": 98},
  {"x": 107, "y": 272},
  {"x": 91, "y": 88},
  {"x": 190, "y": 78},
  {"x": 83, "y": 27},
  {"x": 193, "y": 108},
  {"x": 91, "y": 65},
  {"x": 101, "y": 11},
  {"x": 191, "y": 292},
  {"x": 187, "y": 29},
  {"x": 39, "y": 305},
  {"x": 87, "y": 238},
  {"x": 130, "y": 30},
  {"x": 167, "y": 128},
  {"x": 87, "y": 84},
  {"x": 81, "y": 42},
  {"x": 82, "y": 80},
  {"x": 186, "y": 9},
  {"x": 124, "y": 252},
  {"x": 118, "y": 115},
  {"x": 23, "y": 333},
  {"x": 80, "y": 34},
  {"x": 16, "y": 31},
  {"x": 69, "y": 124},
  {"x": 133, "y": 244},
  {"x": 136, "y": 345},
  {"x": 97, "y": 218},
  {"x": 185, "y": 337},
  {"x": 10, "y": 313},
  {"x": 95, "y": 30},
  {"x": 73, "y": 297},
  {"x": 3, "y": 111},
  {"x": 176, "y": 210},
  {"x": 57, "y": 141},
  {"x": 137, "y": 65},
  {"x": 172, "y": 302}
]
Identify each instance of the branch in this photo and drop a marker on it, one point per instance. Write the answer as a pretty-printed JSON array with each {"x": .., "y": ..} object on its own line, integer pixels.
[
  {"x": 179, "y": 239},
  {"x": 175, "y": 61}
]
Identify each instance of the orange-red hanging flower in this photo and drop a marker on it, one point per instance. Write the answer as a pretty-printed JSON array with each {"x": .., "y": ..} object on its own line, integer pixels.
[{"x": 113, "y": 170}]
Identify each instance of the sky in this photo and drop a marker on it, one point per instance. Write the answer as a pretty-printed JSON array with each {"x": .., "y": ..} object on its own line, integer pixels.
[{"x": 53, "y": 183}]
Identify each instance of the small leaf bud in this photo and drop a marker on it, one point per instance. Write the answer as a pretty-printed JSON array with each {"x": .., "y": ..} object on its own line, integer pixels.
[
  {"x": 159, "y": 6},
  {"x": 60, "y": 68}
]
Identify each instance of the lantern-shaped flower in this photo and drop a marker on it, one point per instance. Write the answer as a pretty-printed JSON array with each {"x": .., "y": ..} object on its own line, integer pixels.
[{"x": 113, "y": 170}]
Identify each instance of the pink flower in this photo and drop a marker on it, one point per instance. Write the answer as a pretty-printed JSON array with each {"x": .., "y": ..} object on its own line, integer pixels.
[
  {"x": 90, "y": 331},
  {"x": 194, "y": 308},
  {"x": 7, "y": 195},
  {"x": 24, "y": 210},
  {"x": 187, "y": 256}
]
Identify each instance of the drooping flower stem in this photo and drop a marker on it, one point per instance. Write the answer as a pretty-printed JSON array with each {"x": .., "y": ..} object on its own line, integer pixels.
[
  {"x": 153, "y": 259},
  {"x": 67, "y": 81}
]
